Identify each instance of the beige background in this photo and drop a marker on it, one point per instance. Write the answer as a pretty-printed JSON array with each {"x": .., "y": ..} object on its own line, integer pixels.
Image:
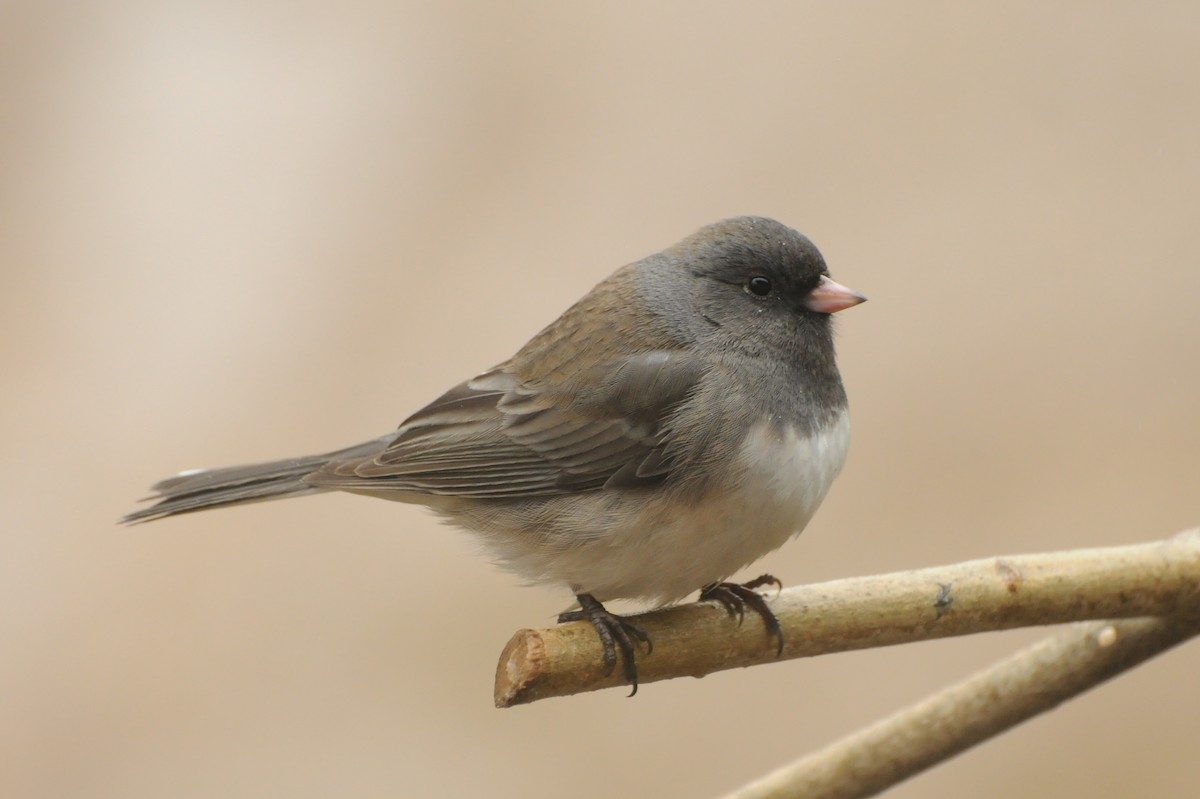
[{"x": 233, "y": 231}]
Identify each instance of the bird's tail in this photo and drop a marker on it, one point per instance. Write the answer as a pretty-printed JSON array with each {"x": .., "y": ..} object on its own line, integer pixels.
[{"x": 236, "y": 485}]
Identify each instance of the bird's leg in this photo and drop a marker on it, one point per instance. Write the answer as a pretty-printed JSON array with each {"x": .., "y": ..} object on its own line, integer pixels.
[
  {"x": 615, "y": 632},
  {"x": 734, "y": 597}
]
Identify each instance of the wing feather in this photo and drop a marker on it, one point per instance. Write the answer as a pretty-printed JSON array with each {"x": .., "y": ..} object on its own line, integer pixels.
[{"x": 494, "y": 436}]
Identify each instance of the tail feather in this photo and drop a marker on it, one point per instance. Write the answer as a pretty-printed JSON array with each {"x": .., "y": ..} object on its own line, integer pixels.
[{"x": 236, "y": 485}]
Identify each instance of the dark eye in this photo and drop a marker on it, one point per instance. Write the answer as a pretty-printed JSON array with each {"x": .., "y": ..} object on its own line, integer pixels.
[{"x": 759, "y": 286}]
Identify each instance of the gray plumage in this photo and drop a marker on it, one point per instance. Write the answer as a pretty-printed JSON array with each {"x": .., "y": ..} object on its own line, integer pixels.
[{"x": 669, "y": 428}]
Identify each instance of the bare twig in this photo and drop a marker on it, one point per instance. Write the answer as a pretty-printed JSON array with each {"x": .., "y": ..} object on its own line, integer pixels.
[
  {"x": 1028, "y": 683},
  {"x": 1155, "y": 579}
]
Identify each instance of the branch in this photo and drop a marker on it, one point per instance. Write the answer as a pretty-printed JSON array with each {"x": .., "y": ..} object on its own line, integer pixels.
[
  {"x": 1028, "y": 683},
  {"x": 1153, "y": 579}
]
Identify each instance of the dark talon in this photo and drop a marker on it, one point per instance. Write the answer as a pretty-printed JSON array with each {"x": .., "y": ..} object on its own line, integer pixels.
[
  {"x": 727, "y": 599},
  {"x": 615, "y": 632},
  {"x": 734, "y": 597},
  {"x": 764, "y": 579}
]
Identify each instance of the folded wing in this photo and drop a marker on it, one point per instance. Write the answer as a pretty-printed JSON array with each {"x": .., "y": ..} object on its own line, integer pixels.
[{"x": 494, "y": 436}]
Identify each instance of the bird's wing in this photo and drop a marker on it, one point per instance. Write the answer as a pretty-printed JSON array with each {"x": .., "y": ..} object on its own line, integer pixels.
[{"x": 495, "y": 436}]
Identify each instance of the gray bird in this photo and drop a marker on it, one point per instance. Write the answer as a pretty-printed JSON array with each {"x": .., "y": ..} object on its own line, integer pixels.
[{"x": 682, "y": 420}]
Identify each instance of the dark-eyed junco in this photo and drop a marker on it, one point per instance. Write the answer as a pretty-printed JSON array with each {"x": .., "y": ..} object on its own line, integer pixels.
[{"x": 682, "y": 420}]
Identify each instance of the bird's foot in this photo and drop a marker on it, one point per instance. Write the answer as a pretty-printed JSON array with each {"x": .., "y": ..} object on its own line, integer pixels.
[
  {"x": 734, "y": 597},
  {"x": 615, "y": 633}
]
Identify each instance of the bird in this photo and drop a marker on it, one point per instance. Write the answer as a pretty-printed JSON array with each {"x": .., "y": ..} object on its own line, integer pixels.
[{"x": 680, "y": 421}]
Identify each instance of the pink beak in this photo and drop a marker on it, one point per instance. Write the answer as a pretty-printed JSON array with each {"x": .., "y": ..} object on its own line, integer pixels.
[{"x": 830, "y": 297}]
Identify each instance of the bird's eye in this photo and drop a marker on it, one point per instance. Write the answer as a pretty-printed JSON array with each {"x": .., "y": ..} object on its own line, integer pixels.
[{"x": 759, "y": 286}]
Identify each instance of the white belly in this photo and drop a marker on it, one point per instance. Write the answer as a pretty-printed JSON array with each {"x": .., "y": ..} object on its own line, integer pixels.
[{"x": 668, "y": 550}]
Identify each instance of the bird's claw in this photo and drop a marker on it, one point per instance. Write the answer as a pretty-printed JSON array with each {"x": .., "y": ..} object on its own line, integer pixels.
[
  {"x": 615, "y": 633},
  {"x": 734, "y": 597}
]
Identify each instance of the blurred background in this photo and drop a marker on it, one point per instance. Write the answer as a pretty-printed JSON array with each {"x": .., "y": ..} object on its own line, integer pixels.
[{"x": 241, "y": 231}]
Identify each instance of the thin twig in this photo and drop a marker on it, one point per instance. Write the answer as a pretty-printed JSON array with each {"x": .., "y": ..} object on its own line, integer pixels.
[
  {"x": 1031, "y": 682},
  {"x": 1160, "y": 578}
]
